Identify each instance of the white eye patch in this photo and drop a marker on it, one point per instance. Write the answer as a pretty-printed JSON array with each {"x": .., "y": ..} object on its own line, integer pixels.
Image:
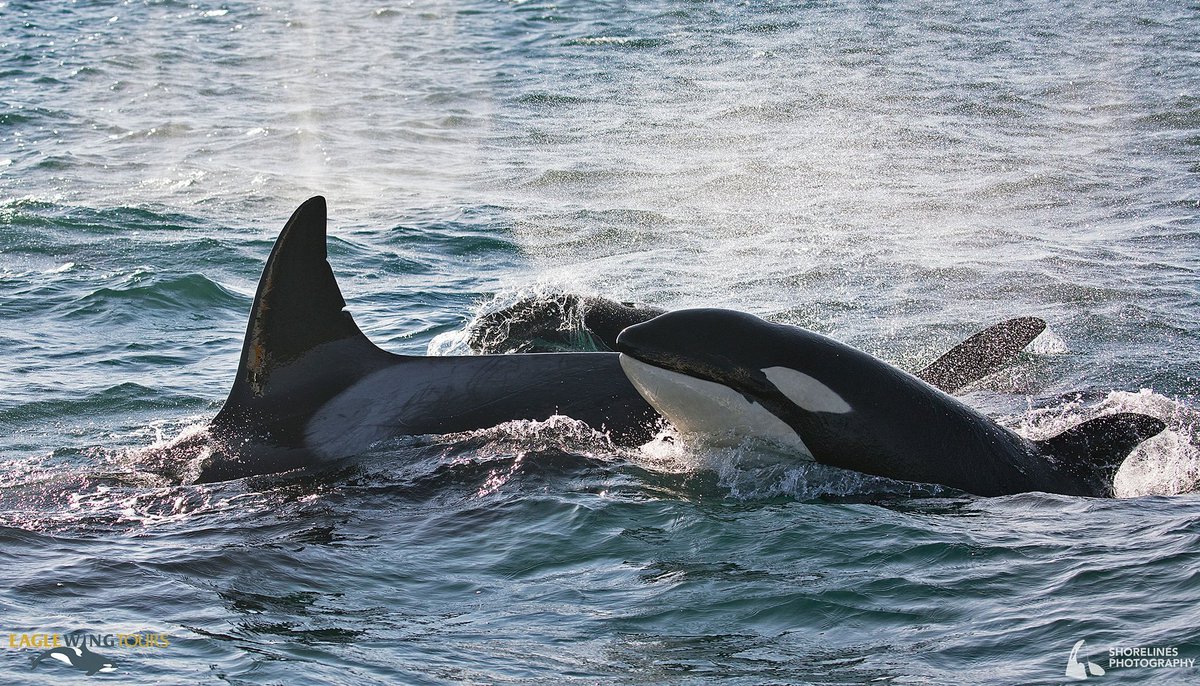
[
  {"x": 707, "y": 408},
  {"x": 808, "y": 393}
]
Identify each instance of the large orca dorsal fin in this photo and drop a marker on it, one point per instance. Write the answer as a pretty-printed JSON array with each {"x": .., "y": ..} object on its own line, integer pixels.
[
  {"x": 981, "y": 354},
  {"x": 298, "y": 305},
  {"x": 1091, "y": 453},
  {"x": 301, "y": 346}
]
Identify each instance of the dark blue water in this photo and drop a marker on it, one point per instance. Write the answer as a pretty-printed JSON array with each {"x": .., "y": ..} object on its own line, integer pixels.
[{"x": 896, "y": 175}]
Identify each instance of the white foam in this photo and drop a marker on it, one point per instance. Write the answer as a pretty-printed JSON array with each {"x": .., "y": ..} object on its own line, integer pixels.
[
  {"x": 1048, "y": 343},
  {"x": 754, "y": 469},
  {"x": 449, "y": 343},
  {"x": 1167, "y": 464}
]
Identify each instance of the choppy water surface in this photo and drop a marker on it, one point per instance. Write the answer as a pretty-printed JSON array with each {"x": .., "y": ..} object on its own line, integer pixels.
[{"x": 896, "y": 175}]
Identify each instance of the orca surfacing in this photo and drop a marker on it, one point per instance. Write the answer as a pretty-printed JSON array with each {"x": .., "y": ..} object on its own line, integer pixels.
[
  {"x": 311, "y": 387},
  {"x": 717, "y": 372}
]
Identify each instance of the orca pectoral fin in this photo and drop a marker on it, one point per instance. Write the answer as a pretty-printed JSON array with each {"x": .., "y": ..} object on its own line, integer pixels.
[
  {"x": 1090, "y": 454},
  {"x": 981, "y": 354}
]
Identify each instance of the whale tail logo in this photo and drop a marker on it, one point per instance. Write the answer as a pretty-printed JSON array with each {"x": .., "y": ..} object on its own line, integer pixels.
[{"x": 1080, "y": 670}]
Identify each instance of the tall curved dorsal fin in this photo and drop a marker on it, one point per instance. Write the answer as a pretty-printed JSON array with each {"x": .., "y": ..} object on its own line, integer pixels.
[
  {"x": 301, "y": 348},
  {"x": 981, "y": 354},
  {"x": 298, "y": 305}
]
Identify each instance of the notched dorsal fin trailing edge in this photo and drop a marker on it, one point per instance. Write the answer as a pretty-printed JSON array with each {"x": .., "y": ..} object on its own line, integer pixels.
[
  {"x": 981, "y": 354},
  {"x": 298, "y": 305},
  {"x": 1092, "y": 452},
  {"x": 301, "y": 346}
]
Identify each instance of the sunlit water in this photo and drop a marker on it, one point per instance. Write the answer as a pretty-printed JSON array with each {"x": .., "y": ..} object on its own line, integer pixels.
[{"x": 897, "y": 176}]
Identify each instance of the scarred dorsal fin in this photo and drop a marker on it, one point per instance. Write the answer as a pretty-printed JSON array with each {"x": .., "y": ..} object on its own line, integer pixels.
[
  {"x": 298, "y": 305},
  {"x": 301, "y": 346},
  {"x": 981, "y": 354},
  {"x": 1090, "y": 454}
]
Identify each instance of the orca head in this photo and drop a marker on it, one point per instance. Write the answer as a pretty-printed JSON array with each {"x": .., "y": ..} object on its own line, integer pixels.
[{"x": 727, "y": 375}]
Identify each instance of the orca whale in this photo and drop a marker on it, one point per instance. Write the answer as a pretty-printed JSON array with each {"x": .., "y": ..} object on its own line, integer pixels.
[
  {"x": 311, "y": 388},
  {"x": 80, "y": 658},
  {"x": 726, "y": 375}
]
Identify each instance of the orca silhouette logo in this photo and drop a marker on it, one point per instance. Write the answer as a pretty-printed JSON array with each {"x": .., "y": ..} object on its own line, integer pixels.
[
  {"x": 78, "y": 657},
  {"x": 1078, "y": 670}
]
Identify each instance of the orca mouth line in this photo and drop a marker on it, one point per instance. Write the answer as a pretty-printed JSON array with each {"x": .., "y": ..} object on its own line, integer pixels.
[
  {"x": 640, "y": 342},
  {"x": 668, "y": 365},
  {"x": 744, "y": 384},
  {"x": 706, "y": 365},
  {"x": 627, "y": 344}
]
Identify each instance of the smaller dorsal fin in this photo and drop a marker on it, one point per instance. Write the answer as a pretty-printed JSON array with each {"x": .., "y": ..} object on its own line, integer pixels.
[
  {"x": 1092, "y": 452},
  {"x": 981, "y": 354}
]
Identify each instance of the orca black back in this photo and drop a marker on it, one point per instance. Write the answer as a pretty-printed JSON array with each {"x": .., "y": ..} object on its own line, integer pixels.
[{"x": 310, "y": 387}]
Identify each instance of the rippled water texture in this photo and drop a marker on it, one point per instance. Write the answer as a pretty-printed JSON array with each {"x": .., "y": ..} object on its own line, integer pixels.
[{"x": 896, "y": 175}]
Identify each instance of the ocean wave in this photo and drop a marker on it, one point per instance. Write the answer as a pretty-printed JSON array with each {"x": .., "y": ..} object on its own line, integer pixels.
[{"x": 142, "y": 294}]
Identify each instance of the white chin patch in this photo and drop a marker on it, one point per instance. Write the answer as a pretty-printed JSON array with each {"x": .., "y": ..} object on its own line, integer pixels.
[
  {"x": 704, "y": 407},
  {"x": 808, "y": 393}
]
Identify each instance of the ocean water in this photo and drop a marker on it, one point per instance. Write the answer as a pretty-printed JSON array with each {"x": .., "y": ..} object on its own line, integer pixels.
[{"x": 895, "y": 174}]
